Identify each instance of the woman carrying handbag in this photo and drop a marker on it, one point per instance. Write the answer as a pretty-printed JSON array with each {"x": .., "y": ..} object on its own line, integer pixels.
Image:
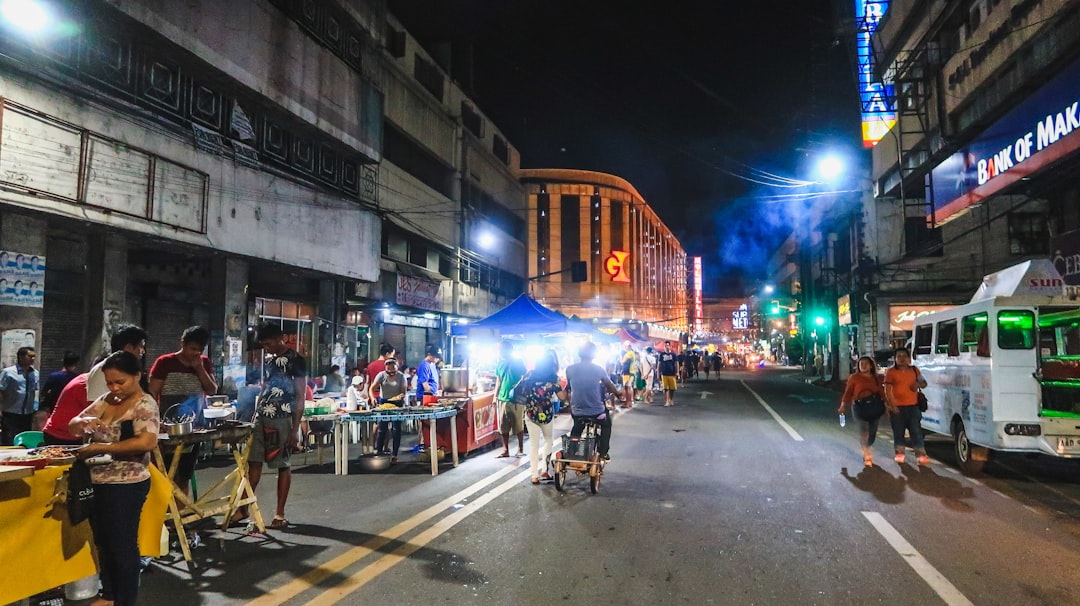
[{"x": 866, "y": 395}]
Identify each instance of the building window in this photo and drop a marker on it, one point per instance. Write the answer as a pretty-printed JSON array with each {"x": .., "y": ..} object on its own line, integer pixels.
[
  {"x": 471, "y": 119},
  {"x": 429, "y": 76},
  {"x": 501, "y": 149},
  {"x": 418, "y": 253},
  {"x": 617, "y": 240},
  {"x": 570, "y": 233},
  {"x": 543, "y": 232},
  {"x": 1028, "y": 234}
]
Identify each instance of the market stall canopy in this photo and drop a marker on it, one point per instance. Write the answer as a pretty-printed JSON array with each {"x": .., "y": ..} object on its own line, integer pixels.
[
  {"x": 524, "y": 316},
  {"x": 625, "y": 334}
]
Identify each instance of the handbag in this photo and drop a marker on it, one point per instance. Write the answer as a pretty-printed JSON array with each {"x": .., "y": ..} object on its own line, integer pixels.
[
  {"x": 80, "y": 496},
  {"x": 923, "y": 404},
  {"x": 869, "y": 408}
]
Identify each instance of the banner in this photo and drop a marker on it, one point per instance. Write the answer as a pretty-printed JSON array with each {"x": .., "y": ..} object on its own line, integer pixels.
[
  {"x": 22, "y": 279},
  {"x": 1066, "y": 258},
  {"x": 417, "y": 292}
]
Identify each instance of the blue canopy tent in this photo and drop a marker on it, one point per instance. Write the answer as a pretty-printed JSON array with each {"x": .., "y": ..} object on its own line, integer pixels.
[{"x": 524, "y": 317}]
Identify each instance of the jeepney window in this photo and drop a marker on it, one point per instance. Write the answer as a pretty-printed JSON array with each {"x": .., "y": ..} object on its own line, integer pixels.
[
  {"x": 1016, "y": 329},
  {"x": 974, "y": 334},
  {"x": 946, "y": 338},
  {"x": 924, "y": 336}
]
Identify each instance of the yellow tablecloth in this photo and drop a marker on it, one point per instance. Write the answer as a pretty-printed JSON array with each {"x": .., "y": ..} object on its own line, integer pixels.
[{"x": 40, "y": 549}]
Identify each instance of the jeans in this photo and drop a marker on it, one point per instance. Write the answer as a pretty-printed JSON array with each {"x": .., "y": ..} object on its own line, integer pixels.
[
  {"x": 14, "y": 425},
  {"x": 384, "y": 430},
  {"x": 604, "y": 441},
  {"x": 868, "y": 432},
  {"x": 115, "y": 523},
  {"x": 907, "y": 418}
]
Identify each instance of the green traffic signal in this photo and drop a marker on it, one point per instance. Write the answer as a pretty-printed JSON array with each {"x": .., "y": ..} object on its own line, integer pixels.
[{"x": 819, "y": 320}]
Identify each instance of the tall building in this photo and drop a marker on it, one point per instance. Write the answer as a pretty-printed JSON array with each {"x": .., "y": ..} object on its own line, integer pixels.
[
  {"x": 314, "y": 168},
  {"x": 637, "y": 269},
  {"x": 977, "y": 171}
]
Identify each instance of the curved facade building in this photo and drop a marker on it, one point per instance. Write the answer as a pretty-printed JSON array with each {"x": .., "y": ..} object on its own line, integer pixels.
[{"x": 636, "y": 266}]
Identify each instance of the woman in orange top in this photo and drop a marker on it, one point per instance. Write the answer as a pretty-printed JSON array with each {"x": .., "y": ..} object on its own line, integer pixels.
[{"x": 865, "y": 383}]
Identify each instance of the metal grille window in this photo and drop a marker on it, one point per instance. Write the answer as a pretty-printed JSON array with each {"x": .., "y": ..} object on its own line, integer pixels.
[{"x": 1028, "y": 234}]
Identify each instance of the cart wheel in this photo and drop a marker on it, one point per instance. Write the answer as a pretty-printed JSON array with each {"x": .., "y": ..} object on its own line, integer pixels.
[
  {"x": 594, "y": 483},
  {"x": 560, "y": 476}
]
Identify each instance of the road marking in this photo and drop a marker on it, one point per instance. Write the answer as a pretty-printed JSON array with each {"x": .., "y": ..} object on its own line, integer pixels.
[
  {"x": 363, "y": 576},
  {"x": 788, "y": 428},
  {"x": 313, "y": 577},
  {"x": 705, "y": 395},
  {"x": 937, "y": 581}
]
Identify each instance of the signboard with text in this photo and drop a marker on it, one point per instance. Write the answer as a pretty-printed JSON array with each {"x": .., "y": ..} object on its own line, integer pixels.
[
  {"x": 876, "y": 98},
  {"x": 417, "y": 292},
  {"x": 902, "y": 317},
  {"x": 22, "y": 279}
]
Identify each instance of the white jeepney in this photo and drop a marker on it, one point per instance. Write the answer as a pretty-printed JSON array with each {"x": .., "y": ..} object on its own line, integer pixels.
[{"x": 1003, "y": 371}]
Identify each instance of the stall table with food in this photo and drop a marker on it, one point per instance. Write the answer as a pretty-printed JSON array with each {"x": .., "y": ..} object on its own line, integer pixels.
[
  {"x": 224, "y": 497},
  {"x": 389, "y": 412},
  {"x": 41, "y": 549}
]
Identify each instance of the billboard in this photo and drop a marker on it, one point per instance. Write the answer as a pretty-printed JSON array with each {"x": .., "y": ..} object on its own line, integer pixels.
[
  {"x": 876, "y": 98},
  {"x": 902, "y": 316},
  {"x": 1037, "y": 132}
]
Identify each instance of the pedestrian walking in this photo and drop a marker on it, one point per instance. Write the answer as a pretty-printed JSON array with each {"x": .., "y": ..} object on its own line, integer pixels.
[
  {"x": 648, "y": 375},
  {"x": 508, "y": 372},
  {"x": 668, "y": 362},
  {"x": 627, "y": 365},
  {"x": 865, "y": 383},
  {"x": 18, "y": 391},
  {"x": 902, "y": 384},
  {"x": 541, "y": 387}
]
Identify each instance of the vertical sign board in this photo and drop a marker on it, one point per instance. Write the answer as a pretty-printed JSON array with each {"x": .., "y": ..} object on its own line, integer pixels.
[
  {"x": 1066, "y": 257},
  {"x": 740, "y": 318},
  {"x": 698, "y": 307},
  {"x": 877, "y": 99}
]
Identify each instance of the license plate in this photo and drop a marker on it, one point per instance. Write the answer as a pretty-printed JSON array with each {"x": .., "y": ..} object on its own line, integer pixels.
[{"x": 1068, "y": 443}]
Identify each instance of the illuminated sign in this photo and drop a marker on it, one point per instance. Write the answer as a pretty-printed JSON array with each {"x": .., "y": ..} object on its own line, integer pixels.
[
  {"x": 902, "y": 317},
  {"x": 843, "y": 310},
  {"x": 698, "y": 307},
  {"x": 1041, "y": 130},
  {"x": 615, "y": 266},
  {"x": 878, "y": 112},
  {"x": 740, "y": 318}
]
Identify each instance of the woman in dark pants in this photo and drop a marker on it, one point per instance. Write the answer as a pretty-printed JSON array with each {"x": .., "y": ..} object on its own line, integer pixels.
[
  {"x": 124, "y": 425},
  {"x": 392, "y": 388}
]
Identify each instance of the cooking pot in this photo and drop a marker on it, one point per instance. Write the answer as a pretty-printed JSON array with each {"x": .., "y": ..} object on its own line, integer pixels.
[
  {"x": 454, "y": 379},
  {"x": 182, "y": 428}
]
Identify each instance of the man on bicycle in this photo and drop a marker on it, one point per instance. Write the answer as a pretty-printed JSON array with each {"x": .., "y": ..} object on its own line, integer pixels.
[{"x": 585, "y": 385}]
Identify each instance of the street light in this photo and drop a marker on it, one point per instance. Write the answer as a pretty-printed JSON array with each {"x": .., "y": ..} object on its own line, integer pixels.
[
  {"x": 26, "y": 15},
  {"x": 830, "y": 167}
]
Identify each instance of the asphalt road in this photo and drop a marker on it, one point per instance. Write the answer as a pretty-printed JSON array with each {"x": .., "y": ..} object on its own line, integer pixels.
[{"x": 746, "y": 492}]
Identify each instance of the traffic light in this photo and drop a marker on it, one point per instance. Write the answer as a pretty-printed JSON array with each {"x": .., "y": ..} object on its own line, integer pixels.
[
  {"x": 819, "y": 320},
  {"x": 579, "y": 271},
  {"x": 774, "y": 308}
]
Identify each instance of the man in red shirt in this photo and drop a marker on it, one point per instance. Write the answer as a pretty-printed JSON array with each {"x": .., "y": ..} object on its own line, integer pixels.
[
  {"x": 373, "y": 369},
  {"x": 71, "y": 401},
  {"x": 184, "y": 377}
]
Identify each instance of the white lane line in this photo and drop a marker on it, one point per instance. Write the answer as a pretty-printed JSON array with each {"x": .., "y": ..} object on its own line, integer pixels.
[
  {"x": 937, "y": 581},
  {"x": 983, "y": 485},
  {"x": 788, "y": 428},
  {"x": 332, "y": 595}
]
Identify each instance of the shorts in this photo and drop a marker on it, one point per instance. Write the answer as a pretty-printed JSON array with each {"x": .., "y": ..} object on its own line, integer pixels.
[
  {"x": 639, "y": 382},
  {"x": 628, "y": 380},
  {"x": 511, "y": 418},
  {"x": 667, "y": 383},
  {"x": 271, "y": 439}
]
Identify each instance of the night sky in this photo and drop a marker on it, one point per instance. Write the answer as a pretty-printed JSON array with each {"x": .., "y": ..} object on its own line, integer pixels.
[{"x": 690, "y": 101}]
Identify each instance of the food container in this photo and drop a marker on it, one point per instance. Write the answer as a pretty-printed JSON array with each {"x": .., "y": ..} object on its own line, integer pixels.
[
  {"x": 374, "y": 462},
  {"x": 214, "y": 416},
  {"x": 454, "y": 379},
  {"x": 174, "y": 430}
]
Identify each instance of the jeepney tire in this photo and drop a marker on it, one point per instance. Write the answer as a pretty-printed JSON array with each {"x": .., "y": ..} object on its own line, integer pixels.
[{"x": 970, "y": 461}]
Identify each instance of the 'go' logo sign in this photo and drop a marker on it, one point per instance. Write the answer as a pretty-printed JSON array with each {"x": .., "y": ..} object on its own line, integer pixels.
[{"x": 616, "y": 266}]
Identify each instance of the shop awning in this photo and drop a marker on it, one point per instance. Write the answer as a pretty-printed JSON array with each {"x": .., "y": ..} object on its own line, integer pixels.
[{"x": 524, "y": 316}]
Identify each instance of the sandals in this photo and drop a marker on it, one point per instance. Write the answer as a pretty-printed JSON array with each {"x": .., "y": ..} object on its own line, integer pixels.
[
  {"x": 503, "y": 455},
  {"x": 535, "y": 480},
  {"x": 237, "y": 519},
  {"x": 868, "y": 461},
  {"x": 278, "y": 523}
]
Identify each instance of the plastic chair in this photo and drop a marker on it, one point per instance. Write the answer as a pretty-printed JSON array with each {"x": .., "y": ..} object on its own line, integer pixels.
[{"x": 30, "y": 439}]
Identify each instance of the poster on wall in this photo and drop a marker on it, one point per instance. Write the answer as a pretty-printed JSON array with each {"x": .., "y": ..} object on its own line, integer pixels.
[
  {"x": 22, "y": 279},
  {"x": 11, "y": 341},
  {"x": 235, "y": 350}
]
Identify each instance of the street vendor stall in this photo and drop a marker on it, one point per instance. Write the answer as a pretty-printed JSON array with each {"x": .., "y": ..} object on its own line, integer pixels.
[
  {"x": 414, "y": 413},
  {"x": 40, "y": 549},
  {"x": 227, "y": 495}
]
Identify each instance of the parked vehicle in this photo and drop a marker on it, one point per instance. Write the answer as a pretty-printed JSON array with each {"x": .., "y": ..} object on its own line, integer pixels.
[{"x": 1003, "y": 371}]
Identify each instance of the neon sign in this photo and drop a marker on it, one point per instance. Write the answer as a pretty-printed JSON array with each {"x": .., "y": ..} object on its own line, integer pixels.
[
  {"x": 878, "y": 111},
  {"x": 615, "y": 266},
  {"x": 740, "y": 318},
  {"x": 698, "y": 307}
]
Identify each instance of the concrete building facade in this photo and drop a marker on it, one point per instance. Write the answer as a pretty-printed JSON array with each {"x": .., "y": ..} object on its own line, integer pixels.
[{"x": 637, "y": 269}]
